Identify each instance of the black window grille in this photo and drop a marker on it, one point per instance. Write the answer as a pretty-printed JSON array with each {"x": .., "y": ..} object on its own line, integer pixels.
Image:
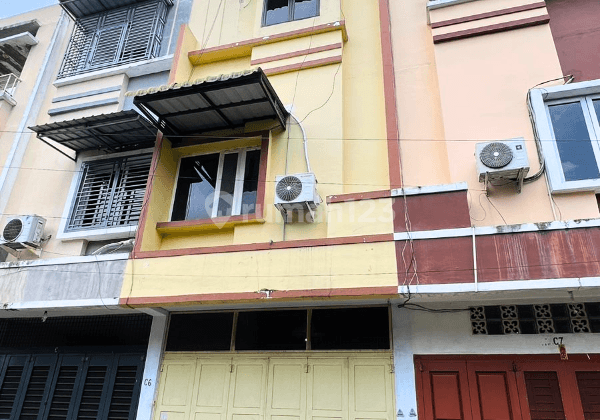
[
  {"x": 116, "y": 37},
  {"x": 110, "y": 193}
]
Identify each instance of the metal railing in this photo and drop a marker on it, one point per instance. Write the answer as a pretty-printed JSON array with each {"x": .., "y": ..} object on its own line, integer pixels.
[{"x": 8, "y": 84}]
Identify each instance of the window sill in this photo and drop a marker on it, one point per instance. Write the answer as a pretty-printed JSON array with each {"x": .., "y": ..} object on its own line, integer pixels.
[
  {"x": 438, "y": 4},
  {"x": 206, "y": 225},
  {"x": 124, "y": 232},
  {"x": 138, "y": 68}
]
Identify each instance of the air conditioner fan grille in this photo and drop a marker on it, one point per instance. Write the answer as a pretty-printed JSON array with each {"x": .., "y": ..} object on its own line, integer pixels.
[
  {"x": 12, "y": 230},
  {"x": 496, "y": 155},
  {"x": 288, "y": 188}
]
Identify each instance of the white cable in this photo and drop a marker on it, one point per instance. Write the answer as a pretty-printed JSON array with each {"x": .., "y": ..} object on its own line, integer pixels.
[{"x": 304, "y": 141}]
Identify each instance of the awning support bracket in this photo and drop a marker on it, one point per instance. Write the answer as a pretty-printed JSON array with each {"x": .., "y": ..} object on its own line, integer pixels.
[{"x": 57, "y": 149}]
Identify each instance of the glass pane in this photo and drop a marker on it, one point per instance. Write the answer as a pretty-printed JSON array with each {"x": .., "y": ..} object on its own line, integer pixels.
[
  {"x": 597, "y": 109},
  {"x": 200, "y": 332},
  {"x": 227, "y": 185},
  {"x": 277, "y": 12},
  {"x": 573, "y": 141},
  {"x": 196, "y": 187},
  {"x": 250, "y": 182},
  {"x": 271, "y": 330},
  {"x": 350, "y": 329},
  {"x": 305, "y": 9}
]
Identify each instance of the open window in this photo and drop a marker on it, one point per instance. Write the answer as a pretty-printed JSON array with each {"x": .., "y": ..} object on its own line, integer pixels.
[
  {"x": 217, "y": 184},
  {"x": 280, "y": 11}
]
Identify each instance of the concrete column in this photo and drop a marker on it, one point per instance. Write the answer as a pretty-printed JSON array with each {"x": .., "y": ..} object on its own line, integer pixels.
[
  {"x": 152, "y": 366},
  {"x": 404, "y": 367}
]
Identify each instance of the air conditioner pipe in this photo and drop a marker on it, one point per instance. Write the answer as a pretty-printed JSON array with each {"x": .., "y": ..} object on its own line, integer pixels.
[
  {"x": 109, "y": 248},
  {"x": 304, "y": 141}
]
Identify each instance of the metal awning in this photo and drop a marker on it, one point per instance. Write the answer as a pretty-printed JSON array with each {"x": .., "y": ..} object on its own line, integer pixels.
[
  {"x": 78, "y": 9},
  {"x": 119, "y": 131},
  {"x": 215, "y": 103}
]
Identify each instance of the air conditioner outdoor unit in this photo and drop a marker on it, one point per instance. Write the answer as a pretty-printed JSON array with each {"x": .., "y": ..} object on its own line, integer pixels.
[
  {"x": 297, "y": 193},
  {"x": 21, "y": 232},
  {"x": 502, "y": 160}
]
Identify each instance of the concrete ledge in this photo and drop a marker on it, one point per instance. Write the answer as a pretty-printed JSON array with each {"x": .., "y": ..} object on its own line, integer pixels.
[
  {"x": 85, "y": 94},
  {"x": 139, "y": 68},
  {"x": 81, "y": 107},
  {"x": 438, "y": 4}
]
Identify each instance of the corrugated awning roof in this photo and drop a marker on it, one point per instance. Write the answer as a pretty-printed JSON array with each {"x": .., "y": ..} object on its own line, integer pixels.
[
  {"x": 119, "y": 131},
  {"x": 211, "y": 104},
  {"x": 82, "y": 8}
]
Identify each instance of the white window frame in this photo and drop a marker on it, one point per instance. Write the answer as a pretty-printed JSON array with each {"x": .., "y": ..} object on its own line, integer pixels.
[
  {"x": 100, "y": 234},
  {"x": 236, "y": 206},
  {"x": 540, "y": 99}
]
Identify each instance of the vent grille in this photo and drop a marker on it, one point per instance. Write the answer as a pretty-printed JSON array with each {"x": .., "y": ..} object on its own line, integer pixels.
[
  {"x": 8, "y": 392},
  {"x": 289, "y": 188},
  {"x": 12, "y": 230},
  {"x": 122, "y": 395},
  {"x": 92, "y": 393},
  {"x": 59, "y": 408},
  {"x": 35, "y": 393},
  {"x": 496, "y": 155}
]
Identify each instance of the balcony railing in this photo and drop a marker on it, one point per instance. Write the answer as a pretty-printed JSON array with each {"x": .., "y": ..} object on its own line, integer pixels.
[{"x": 8, "y": 84}]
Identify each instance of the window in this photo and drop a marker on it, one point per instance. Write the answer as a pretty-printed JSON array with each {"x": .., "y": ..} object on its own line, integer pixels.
[
  {"x": 217, "y": 185},
  {"x": 279, "y": 11},
  {"x": 116, "y": 37},
  {"x": 567, "y": 120},
  {"x": 110, "y": 193}
]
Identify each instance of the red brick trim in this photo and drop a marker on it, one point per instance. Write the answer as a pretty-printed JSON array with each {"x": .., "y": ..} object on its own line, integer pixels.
[
  {"x": 139, "y": 234},
  {"x": 246, "y": 296},
  {"x": 180, "y": 38},
  {"x": 371, "y": 195},
  {"x": 308, "y": 64},
  {"x": 265, "y": 246},
  {"x": 299, "y": 53},
  {"x": 487, "y": 15},
  {"x": 389, "y": 92},
  {"x": 492, "y": 29},
  {"x": 327, "y": 27}
]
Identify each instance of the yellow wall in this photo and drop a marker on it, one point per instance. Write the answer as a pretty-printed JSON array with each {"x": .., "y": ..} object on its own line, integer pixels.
[
  {"x": 325, "y": 267},
  {"x": 340, "y": 105}
]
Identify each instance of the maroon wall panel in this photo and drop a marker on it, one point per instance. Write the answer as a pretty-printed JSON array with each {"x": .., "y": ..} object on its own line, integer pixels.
[
  {"x": 432, "y": 211},
  {"x": 539, "y": 255},
  {"x": 576, "y": 33},
  {"x": 439, "y": 261}
]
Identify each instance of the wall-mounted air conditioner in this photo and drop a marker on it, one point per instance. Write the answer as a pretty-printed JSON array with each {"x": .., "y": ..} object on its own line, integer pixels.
[
  {"x": 21, "y": 232},
  {"x": 502, "y": 160},
  {"x": 297, "y": 193}
]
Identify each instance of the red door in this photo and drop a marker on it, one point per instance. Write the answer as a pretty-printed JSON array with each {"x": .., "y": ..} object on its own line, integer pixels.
[{"x": 502, "y": 388}]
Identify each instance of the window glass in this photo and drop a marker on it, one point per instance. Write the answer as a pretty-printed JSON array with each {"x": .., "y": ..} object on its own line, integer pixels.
[
  {"x": 200, "y": 332},
  {"x": 250, "y": 182},
  {"x": 277, "y": 11},
  {"x": 350, "y": 329},
  {"x": 196, "y": 187},
  {"x": 227, "y": 184},
  {"x": 305, "y": 9},
  {"x": 573, "y": 142},
  {"x": 271, "y": 330},
  {"x": 597, "y": 109}
]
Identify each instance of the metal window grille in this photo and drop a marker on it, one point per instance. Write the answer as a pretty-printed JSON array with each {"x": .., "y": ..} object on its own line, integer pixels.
[
  {"x": 117, "y": 37},
  {"x": 111, "y": 193}
]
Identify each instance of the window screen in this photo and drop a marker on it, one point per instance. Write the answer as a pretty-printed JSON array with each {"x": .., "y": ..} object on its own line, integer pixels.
[
  {"x": 110, "y": 193},
  {"x": 271, "y": 330},
  {"x": 116, "y": 37},
  {"x": 200, "y": 332}
]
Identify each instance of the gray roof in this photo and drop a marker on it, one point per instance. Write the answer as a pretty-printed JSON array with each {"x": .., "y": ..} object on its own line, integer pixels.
[
  {"x": 125, "y": 130},
  {"x": 82, "y": 8},
  {"x": 227, "y": 101}
]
